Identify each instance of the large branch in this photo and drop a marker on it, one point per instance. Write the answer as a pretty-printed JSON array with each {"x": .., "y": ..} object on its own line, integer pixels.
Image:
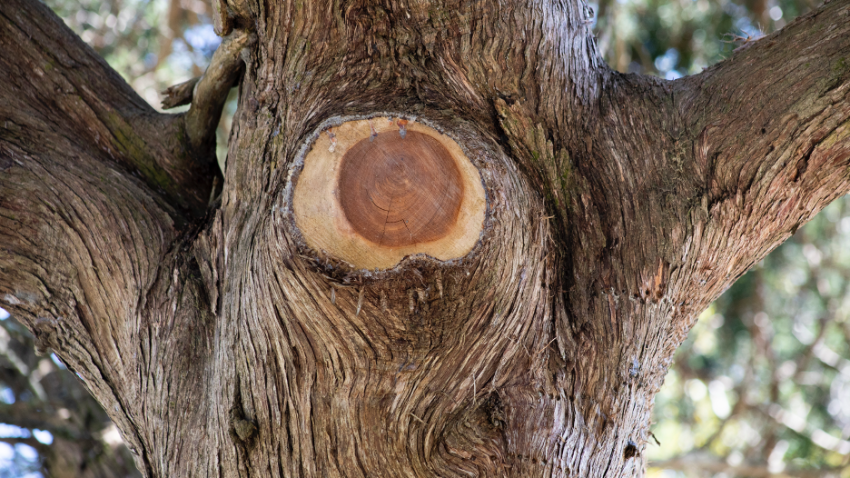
[
  {"x": 50, "y": 77},
  {"x": 666, "y": 192},
  {"x": 770, "y": 131},
  {"x": 672, "y": 190},
  {"x": 96, "y": 189}
]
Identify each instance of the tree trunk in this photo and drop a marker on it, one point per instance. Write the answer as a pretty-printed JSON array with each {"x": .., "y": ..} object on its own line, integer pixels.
[{"x": 223, "y": 344}]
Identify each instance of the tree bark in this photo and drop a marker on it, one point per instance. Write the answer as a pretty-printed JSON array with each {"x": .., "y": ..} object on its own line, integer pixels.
[
  {"x": 53, "y": 400},
  {"x": 618, "y": 207}
]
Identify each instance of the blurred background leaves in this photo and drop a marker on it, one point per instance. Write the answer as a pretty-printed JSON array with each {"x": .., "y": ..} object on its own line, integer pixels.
[
  {"x": 762, "y": 385},
  {"x": 673, "y": 38},
  {"x": 761, "y": 388}
]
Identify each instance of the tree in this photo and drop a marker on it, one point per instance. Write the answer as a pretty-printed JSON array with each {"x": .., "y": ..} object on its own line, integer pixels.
[{"x": 617, "y": 207}]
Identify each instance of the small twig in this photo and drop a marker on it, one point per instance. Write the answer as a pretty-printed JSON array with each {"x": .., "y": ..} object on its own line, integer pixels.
[
  {"x": 655, "y": 438},
  {"x": 179, "y": 94},
  {"x": 743, "y": 41},
  {"x": 212, "y": 88}
]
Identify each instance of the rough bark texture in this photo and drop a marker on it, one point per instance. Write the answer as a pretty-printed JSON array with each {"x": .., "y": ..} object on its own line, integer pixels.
[{"x": 618, "y": 207}]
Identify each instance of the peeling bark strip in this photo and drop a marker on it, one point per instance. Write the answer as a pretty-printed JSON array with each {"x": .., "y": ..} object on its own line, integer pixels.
[{"x": 617, "y": 208}]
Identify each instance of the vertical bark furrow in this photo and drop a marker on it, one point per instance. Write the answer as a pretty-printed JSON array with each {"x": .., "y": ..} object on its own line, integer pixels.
[
  {"x": 92, "y": 273},
  {"x": 377, "y": 389}
]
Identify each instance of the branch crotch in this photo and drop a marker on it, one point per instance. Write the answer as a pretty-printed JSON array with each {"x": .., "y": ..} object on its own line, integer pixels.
[{"x": 208, "y": 93}]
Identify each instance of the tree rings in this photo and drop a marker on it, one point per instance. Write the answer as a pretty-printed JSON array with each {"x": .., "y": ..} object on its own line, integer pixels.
[{"x": 374, "y": 191}]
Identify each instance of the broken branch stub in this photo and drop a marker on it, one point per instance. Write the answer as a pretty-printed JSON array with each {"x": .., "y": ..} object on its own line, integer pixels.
[{"x": 374, "y": 191}]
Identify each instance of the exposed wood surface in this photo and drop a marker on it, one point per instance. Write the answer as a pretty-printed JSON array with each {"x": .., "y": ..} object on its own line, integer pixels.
[
  {"x": 617, "y": 208},
  {"x": 398, "y": 191},
  {"x": 374, "y": 191}
]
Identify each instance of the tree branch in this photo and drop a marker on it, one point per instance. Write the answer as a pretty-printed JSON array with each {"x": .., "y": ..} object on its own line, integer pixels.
[
  {"x": 48, "y": 74},
  {"x": 95, "y": 188},
  {"x": 179, "y": 94},
  {"x": 770, "y": 130}
]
